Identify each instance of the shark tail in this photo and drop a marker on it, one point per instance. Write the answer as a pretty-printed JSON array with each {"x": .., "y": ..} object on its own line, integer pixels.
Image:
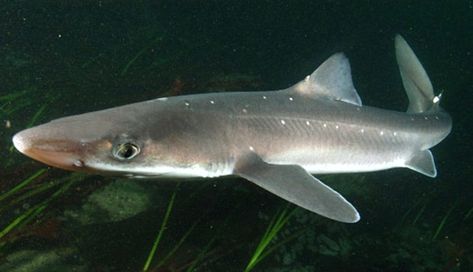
[
  {"x": 421, "y": 99},
  {"x": 415, "y": 80}
]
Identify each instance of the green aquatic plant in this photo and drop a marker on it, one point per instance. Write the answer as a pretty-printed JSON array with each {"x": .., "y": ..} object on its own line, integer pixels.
[
  {"x": 11, "y": 96},
  {"x": 419, "y": 214},
  {"x": 152, "y": 252},
  {"x": 444, "y": 221},
  {"x": 28, "y": 189},
  {"x": 176, "y": 247},
  {"x": 37, "y": 115},
  {"x": 277, "y": 223},
  {"x": 30, "y": 193},
  {"x": 31, "y": 213},
  {"x": 468, "y": 214},
  {"x": 15, "y": 101},
  {"x": 202, "y": 255},
  {"x": 10, "y": 107},
  {"x": 140, "y": 53},
  {"x": 22, "y": 184},
  {"x": 341, "y": 247},
  {"x": 416, "y": 210}
]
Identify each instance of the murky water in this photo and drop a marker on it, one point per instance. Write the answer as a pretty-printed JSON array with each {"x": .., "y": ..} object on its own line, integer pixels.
[{"x": 58, "y": 59}]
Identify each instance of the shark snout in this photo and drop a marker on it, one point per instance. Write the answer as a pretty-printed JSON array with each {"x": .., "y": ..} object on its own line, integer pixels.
[
  {"x": 36, "y": 143},
  {"x": 20, "y": 142}
]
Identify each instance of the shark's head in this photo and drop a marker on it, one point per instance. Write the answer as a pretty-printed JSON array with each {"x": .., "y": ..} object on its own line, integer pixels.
[{"x": 118, "y": 141}]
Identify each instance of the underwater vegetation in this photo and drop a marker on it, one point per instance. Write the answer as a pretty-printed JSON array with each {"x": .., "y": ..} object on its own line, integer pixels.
[
  {"x": 50, "y": 219},
  {"x": 160, "y": 226},
  {"x": 274, "y": 227}
]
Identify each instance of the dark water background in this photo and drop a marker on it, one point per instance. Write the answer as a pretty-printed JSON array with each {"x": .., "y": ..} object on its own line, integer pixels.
[{"x": 60, "y": 58}]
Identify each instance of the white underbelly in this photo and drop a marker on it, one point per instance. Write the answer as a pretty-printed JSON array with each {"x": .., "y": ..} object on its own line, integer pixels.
[{"x": 344, "y": 162}]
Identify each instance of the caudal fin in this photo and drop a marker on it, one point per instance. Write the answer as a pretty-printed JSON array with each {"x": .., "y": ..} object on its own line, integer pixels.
[{"x": 415, "y": 80}]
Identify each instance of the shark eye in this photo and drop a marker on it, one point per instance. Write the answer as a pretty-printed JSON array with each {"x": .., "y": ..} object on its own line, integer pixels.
[{"x": 125, "y": 151}]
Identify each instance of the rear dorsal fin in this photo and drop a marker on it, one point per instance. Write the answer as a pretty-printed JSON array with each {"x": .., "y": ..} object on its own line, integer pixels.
[
  {"x": 332, "y": 80},
  {"x": 414, "y": 78}
]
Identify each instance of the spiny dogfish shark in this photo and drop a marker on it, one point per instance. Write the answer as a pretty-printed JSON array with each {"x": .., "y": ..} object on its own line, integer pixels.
[{"x": 275, "y": 139}]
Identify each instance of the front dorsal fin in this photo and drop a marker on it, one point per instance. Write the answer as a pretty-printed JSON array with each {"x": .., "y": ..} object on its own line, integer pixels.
[{"x": 332, "y": 80}]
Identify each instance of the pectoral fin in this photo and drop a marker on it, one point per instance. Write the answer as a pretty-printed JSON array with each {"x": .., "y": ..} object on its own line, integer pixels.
[{"x": 296, "y": 185}]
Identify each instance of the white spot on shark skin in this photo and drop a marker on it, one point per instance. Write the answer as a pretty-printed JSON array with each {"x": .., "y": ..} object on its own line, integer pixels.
[
  {"x": 212, "y": 102},
  {"x": 358, "y": 109},
  {"x": 291, "y": 99},
  {"x": 264, "y": 97},
  {"x": 362, "y": 130},
  {"x": 337, "y": 126},
  {"x": 426, "y": 118},
  {"x": 325, "y": 125},
  {"x": 187, "y": 103},
  {"x": 251, "y": 148},
  {"x": 307, "y": 78},
  {"x": 436, "y": 117},
  {"x": 78, "y": 163},
  {"x": 436, "y": 99},
  {"x": 381, "y": 133},
  {"x": 244, "y": 110},
  {"x": 307, "y": 123},
  {"x": 283, "y": 122},
  {"x": 395, "y": 133},
  {"x": 412, "y": 118},
  {"x": 162, "y": 99}
]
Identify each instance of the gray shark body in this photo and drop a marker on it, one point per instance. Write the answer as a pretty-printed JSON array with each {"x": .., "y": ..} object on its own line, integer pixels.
[{"x": 274, "y": 138}]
